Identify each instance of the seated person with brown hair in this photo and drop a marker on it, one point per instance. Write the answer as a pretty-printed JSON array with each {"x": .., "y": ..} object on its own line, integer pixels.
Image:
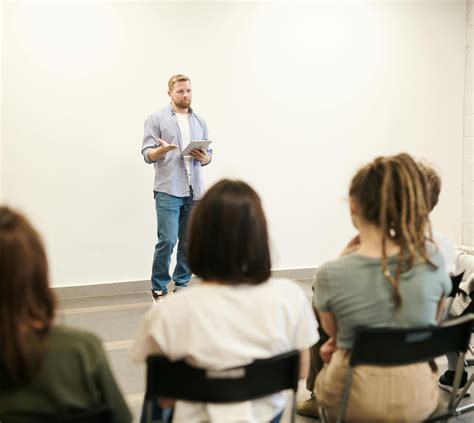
[
  {"x": 47, "y": 371},
  {"x": 238, "y": 313}
]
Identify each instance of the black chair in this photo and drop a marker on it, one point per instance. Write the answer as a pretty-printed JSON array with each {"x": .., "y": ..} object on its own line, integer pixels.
[
  {"x": 455, "y": 282},
  {"x": 100, "y": 414},
  {"x": 400, "y": 346},
  {"x": 179, "y": 380},
  {"x": 469, "y": 362}
]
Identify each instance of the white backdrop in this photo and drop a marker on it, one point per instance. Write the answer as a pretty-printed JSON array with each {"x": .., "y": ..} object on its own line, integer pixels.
[{"x": 296, "y": 96}]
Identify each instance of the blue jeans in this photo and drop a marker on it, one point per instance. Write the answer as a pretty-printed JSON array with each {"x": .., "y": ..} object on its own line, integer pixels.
[
  {"x": 158, "y": 414},
  {"x": 172, "y": 215}
]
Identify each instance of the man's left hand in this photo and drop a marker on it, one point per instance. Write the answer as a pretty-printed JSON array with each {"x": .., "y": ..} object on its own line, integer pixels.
[{"x": 200, "y": 155}]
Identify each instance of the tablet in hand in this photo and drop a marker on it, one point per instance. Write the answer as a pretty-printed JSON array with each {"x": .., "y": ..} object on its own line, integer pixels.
[{"x": 203, "y": 144}]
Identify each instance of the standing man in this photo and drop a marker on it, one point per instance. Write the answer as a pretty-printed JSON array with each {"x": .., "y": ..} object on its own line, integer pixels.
[{"x": 178, "y": 180}]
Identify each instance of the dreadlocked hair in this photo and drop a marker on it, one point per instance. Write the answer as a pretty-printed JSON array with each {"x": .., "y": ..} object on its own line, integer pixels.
[{"x": 392, "y": 194}]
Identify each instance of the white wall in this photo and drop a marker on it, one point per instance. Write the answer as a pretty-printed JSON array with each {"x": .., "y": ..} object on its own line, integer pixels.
[
  {"x": 297, "y": 96},
  {"x": 468, "y": 143}
]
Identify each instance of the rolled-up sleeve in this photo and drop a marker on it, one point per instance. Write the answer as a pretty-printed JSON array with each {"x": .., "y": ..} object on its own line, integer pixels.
[
  {"x": 151, "y": 133},
  {"x": 321, "y": 297},
  {"x": 206, "y": 137},
  {"x": 306, "y": 330}
]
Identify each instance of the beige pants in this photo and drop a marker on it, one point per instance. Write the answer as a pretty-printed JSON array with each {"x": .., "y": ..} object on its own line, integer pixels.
[{"x": 378, "y": 394}]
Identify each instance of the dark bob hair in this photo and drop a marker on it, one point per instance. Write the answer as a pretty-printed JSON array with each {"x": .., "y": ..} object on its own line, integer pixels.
[{"x": 228, "y": 236}]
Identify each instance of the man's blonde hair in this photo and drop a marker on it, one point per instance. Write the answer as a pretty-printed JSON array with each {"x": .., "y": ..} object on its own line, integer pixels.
[{"x": 176, "y": 78}]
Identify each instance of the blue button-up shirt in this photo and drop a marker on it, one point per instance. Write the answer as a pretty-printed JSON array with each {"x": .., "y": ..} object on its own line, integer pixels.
[{"x": 170, "y": 170}]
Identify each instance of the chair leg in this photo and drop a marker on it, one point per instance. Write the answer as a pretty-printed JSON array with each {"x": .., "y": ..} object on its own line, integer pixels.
[
  {"x": 293, "y": 408},
  {"x": 461, "y": 395},
  {"x": 464, "y": 409},
  {"x": 456, "y": 382},
  {"x": 149, "y": 411},
  {"x": 323, "y": 415}
]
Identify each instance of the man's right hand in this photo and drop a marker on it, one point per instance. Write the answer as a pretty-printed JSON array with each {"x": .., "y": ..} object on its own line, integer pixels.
[
  {"x": 157, "y": 153},
  {"x": 165, "y": 147}
]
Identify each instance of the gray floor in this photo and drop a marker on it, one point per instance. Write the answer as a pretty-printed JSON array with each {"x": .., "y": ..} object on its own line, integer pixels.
[{"x": 115, "y": 318}]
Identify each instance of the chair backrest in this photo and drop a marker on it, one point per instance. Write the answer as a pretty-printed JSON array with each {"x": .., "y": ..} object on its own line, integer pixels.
[
  {"x": 455, "y": 282},
  {"x": 181, "y": 381},
  {"x": 399, "y": 346}
]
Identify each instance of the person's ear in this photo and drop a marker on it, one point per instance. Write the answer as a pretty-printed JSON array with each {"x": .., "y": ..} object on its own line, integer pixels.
[{"x": 354, "y": 206}]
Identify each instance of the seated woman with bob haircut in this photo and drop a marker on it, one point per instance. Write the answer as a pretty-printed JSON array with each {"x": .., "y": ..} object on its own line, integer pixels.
[
  {"x": 237, "y": 313},
  {"x": 394, "y": 278},
  {"x": 47, "y": 372}
]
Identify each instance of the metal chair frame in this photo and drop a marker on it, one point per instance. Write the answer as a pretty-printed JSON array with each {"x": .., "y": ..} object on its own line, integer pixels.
[
  {"x": 403, "y": 346},
  {"x": 181, "y": 381}
]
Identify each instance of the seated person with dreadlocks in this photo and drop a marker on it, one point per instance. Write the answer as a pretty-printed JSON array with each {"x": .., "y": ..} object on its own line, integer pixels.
[
  {"x": 395, "y": 277},
  {"x": 455, "y": 263}
]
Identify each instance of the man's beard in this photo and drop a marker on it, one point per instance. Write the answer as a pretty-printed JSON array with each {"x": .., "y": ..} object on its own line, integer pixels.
[{"x": 184, "y": 104}]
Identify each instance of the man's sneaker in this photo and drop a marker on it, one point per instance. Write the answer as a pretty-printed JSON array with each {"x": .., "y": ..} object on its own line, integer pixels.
[
  {"x": 308, "y": 408},
  {"x": 157, "y": 295},
  {"x": 446, "y": 382}
]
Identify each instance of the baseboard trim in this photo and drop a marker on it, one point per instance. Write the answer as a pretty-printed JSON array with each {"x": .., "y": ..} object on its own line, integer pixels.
[
  {"x": 301, "y": 274},
  {"x": 135, "y": 287}
]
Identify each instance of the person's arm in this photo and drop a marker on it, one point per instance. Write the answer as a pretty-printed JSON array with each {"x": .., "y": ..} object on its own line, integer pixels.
[
  {"x": 144, "y": 343},
  {"x": 153, "y": 147},
  {"x": 440, "y": 311},
  {"x": 322, "y": 302},
  {"x": 109, "y": 390},
  {"x": 328, "y": 322},
  {"x": 447, "y": 287},
  {"x": 304, "y": 363},
  {"x": 157, "y": 153}
]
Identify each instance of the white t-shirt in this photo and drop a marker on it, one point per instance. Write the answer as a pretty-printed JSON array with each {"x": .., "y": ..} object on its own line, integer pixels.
[
  {"x": 183, "y": 124},
  {"x": 221, "y": 326}
]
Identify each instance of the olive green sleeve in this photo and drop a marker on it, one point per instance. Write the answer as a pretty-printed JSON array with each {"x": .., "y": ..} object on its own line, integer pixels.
[{"x": 111, "y": 395}]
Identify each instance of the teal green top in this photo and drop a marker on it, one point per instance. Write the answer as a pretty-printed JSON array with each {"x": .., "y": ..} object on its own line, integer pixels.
[
  {"x": 75, "y": 375},
  {"x": 355, "y": 290}
]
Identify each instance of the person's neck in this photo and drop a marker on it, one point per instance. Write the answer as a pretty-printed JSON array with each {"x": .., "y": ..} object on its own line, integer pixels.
[{"x": 371, "y": 242}]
